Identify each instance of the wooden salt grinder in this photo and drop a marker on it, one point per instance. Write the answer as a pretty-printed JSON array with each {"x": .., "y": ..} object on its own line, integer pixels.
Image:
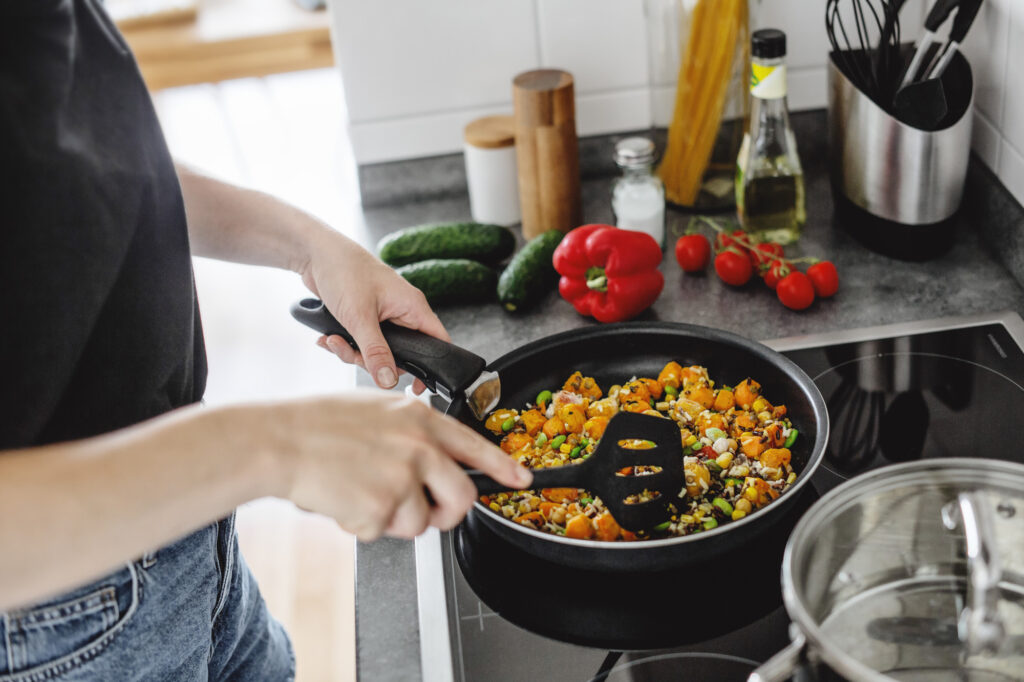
[{"x": 547, "y": 153}]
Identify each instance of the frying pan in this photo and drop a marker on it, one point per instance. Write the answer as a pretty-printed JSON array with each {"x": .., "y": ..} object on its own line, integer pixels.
[{"x": 612, "y": 354}]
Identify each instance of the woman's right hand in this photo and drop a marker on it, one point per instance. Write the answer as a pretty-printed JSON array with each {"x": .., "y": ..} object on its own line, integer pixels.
[{"x": 366, "y": 458}]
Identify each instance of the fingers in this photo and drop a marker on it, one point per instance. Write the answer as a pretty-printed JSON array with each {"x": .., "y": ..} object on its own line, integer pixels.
[
  {"x": 339, "y": 347},
  {"x": 451, "y": 489},
  {"x": 411, "y": 518},
  {"x": 472, "y": 449},
  {"x": 421, "y": 317},
  {"x": 374, "y": 351}
]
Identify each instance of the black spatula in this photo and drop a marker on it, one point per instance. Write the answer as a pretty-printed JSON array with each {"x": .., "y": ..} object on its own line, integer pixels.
[{"x": 599, "y": 472}]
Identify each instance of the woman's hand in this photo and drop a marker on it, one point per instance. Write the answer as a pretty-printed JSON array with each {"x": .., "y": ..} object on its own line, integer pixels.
[
  {"x": 360, "y": 291},
  {"x": 367, "y": 459}
]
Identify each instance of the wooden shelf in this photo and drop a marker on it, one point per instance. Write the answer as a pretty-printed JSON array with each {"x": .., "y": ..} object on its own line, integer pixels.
[{"x": 232, "y": 39}]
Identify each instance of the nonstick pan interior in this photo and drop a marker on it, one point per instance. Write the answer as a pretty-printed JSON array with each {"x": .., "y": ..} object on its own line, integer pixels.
[{"x": 614, "y": 353}]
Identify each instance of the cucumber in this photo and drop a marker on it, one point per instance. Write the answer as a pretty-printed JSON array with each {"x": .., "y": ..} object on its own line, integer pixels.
[
  {"x": 475, "y": 241},
  {"x": 457, "y": 280},
  {"x": 530, "y": 273}
]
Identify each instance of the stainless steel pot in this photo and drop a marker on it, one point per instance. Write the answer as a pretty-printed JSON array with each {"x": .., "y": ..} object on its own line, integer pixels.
[{"x": 909, "y": 572}]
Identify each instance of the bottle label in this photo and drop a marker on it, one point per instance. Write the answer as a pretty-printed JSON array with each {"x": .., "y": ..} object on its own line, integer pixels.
[{"x": 768, "y": 82}]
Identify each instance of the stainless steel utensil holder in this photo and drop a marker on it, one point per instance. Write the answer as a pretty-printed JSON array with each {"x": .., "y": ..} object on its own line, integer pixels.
[{"x": 903, "y": 184}]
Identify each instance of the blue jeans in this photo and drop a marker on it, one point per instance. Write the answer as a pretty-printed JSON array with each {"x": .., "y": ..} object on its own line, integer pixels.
[{"x": 189, "y": 612}]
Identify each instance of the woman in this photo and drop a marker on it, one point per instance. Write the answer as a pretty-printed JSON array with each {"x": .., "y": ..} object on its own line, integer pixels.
[{"x": 103, "y": 456}]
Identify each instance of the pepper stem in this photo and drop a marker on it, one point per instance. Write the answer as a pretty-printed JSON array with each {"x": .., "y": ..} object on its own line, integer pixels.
[{"x": 596, "y": 279}]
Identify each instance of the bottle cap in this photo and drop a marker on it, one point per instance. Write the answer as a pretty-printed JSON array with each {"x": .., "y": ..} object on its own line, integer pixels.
[
  {"x": 768, "y": 43},
  {"x": 634, "y": 152}
]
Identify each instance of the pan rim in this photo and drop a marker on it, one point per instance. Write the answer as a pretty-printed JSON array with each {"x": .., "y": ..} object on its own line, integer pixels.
[{"x": 790, "y": 368}]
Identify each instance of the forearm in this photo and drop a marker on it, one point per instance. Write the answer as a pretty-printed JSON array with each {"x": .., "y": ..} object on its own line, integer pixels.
[
  {"x": 245, "y": 226},
  {"x": 71, "y": 512}
]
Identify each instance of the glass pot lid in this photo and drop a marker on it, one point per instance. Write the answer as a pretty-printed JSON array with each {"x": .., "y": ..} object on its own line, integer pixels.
[{"x": 915, "y": 572}]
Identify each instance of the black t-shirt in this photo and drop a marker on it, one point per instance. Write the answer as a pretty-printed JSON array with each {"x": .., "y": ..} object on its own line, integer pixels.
[{"x": 99, "y": 325}]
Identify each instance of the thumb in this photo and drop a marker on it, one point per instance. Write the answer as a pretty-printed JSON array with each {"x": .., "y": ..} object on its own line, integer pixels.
[{"x": 375, "y": 352}]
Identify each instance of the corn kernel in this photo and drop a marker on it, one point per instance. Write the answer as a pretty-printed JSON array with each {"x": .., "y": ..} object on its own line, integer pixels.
[
  {"x": 750, "y": 494},
  {"x": 495, "y": 506},
  {"x": 724, "y": 460},
  {"x": 565, "y": 448},
  {"x": 685, "y": 518},
  {"x": 737, "y": 514},
  {"x": 760, "y": 404},
  {"x": 691, "y": 440},
  {"x": 743, "y": 505},
  {"x": 791, "y": 478}
]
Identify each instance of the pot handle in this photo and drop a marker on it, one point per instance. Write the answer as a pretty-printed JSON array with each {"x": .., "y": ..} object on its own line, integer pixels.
[
  {"x": 979, "y": 626},
  {"x": 444, "y": 367},
  {"x": 784, "y": 664}
]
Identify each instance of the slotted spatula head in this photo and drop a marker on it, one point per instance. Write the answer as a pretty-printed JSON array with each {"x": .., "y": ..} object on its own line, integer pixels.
[{"x": 599, "y": 473}]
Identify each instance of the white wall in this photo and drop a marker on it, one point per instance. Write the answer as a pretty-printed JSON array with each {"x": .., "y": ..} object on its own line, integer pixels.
[{"x": 416, "y": 71}]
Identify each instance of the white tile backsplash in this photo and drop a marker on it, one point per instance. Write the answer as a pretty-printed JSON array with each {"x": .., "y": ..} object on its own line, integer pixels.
[
  {"x": 1011, "y": 170},
  {"x": 406, "y": 58},
  {"x": 415, "y": 72},
  {"x": 1012, "y": 123},
  {"x": 602, "y": 43},
  {"x": 986, "y": 48},
  {"x": 986, "y": 140}
]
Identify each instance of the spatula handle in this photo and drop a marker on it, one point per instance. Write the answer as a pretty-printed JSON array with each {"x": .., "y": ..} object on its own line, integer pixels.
[
  {"x": 553, "y": 477},
  {"x": 439, "y": 364}
]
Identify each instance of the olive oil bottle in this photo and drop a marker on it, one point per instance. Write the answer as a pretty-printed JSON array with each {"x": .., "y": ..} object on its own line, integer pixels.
[{"x": 769, "y": 179}]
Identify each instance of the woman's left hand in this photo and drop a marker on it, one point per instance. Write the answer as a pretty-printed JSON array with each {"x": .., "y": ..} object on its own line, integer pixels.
[{"x": 360, "y": 291}]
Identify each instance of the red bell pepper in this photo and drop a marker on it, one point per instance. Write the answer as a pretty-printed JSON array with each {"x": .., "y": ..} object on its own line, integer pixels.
[{"x": 609, "y": 273}]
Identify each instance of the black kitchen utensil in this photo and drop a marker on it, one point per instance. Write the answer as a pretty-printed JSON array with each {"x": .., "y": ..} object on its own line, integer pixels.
[
  {"x": 599, "y": 472},
  {"x": 937, "y": 16},
  {"x": 610, "y": 353},
  {"x": 922, "y": 104},
  {"x": 965, "y": 15},
  {"x": 866, "y": 49}
]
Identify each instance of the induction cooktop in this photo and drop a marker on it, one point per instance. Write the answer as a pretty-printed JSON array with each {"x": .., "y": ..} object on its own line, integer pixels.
[{"x": 488, "y": 611}]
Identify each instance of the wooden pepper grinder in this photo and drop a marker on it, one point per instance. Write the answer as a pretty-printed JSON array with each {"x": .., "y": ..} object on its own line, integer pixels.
[{"x": 547, "y": 153}]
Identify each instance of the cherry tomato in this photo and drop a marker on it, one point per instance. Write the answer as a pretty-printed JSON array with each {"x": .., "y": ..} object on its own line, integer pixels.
[
  {"x": 824, "y": 277},
  {"x": 763, "y": 254},
  {"x": 693, "y": 251},
  {"x": 733, "y": 268},
  {"x": 724, "y": 241},
  {"x": 775, "y": 272},
  {"x": 795, "y": 291}
]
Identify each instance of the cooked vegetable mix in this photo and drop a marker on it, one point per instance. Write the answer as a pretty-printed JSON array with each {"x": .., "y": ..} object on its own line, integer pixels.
[{"x": 735, "y": 444}]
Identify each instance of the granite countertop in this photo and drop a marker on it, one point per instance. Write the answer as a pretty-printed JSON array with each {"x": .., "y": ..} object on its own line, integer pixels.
[{"x": 971, "y": 278}]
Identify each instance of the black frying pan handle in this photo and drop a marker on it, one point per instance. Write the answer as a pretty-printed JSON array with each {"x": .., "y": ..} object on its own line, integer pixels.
[
  {"x": 443, "y": 367},
  {"x": 552, "y": 477}
]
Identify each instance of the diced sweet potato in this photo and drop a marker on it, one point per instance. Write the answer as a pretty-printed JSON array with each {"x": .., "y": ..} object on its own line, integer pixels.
[
  {"x": 702, "y": 394},
  {"x": 515, "y": 441},
  {"x": 724, "y": 400},
  {"x": 553, "y": 427},
  {"x": 595, "y": 426},
  {"x": 533, "y": 420},
  {"x": 671, "y": 375},
  {"x": 776, "y": 457},
  {"x": 532, "y": 519},
  {"x": 654, "y": 387},
  {"x": 746, "y": 393},
  {"x": 607, "y": 527},
  {"x": 560, "y": 494},
  {"x": 579, "y": 527}
]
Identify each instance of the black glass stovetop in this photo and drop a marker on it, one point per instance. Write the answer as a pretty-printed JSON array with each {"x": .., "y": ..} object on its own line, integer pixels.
[{"x": 897, "y": 397}]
